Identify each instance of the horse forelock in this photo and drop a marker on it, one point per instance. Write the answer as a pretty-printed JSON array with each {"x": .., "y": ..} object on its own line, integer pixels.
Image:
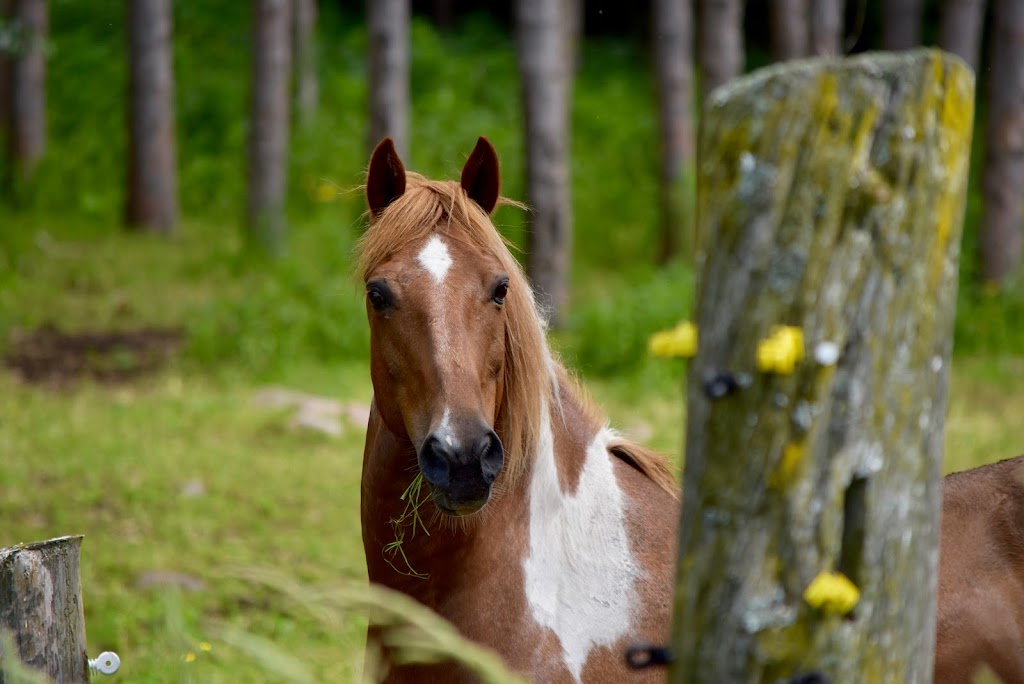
[{"x": 430, "y": 206}]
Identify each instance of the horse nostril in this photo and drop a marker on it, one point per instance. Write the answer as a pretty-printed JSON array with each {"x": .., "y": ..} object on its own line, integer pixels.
[
  {"x": 434, "y": 458},
  {"x": 489, "y": 452}
]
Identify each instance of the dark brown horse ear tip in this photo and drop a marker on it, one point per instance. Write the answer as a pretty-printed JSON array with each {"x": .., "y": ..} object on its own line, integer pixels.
[
  {"x": 385, "y": 146},
  {"x": 483, "y": 143}
]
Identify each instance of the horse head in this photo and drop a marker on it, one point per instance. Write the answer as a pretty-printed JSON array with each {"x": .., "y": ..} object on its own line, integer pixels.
[{"x": 436, "y": 306}]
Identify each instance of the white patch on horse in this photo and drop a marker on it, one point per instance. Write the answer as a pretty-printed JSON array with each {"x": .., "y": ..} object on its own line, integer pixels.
[
  {"x": 580, "y": 571},
  {"x": 435, "y": 258},
  {"x": 445, "y": 430}
]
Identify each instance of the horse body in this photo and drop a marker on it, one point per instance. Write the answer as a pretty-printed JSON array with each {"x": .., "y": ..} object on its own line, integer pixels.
[
  {"x": 551, "y": 539},
  {"x": 980, "y": 620},
  {"x": 557, "y": 575}
]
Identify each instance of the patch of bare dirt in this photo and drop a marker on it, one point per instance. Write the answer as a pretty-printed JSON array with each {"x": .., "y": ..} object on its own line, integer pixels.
[{"x": 49, "y": 356}]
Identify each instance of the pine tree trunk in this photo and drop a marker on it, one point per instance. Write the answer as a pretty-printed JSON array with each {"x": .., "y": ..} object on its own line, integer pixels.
[
  {"x": 26, "y": 139},
  {"x": 575, "y": 20},
  {"x": 304, "y": 57},
  {"x": 1003, "y": 181},
  {"x": 720, "y": 43},
  {"x": 901, "y": 24},
  {"x": 41, "y": 606},
  {"x": 6, "y": 9},
  {"x": 444, "y": 14},
  {"x": 790, "y": 24},
  {"x": 960, "y": 29},
  {"x": 268, "y": 124},
  {"x": 835, "y": 206},
  {"x": 826, "y": 27},
  {"x": 388, "y": 24},
  {"x": 545, "y": 73},
  {"x": 673, "y": 56},
  {"x": 152, "y": 202}
]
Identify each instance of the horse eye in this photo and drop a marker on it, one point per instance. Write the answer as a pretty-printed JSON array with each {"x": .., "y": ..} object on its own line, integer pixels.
[
  {"x": 500, "y": 292},
  {"x": 377, "y": 300}
]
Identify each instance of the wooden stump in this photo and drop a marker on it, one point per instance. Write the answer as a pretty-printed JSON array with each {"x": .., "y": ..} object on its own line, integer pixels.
[
  {"x": 831, "y": 198},
  {"x": 41, "y": 606}
]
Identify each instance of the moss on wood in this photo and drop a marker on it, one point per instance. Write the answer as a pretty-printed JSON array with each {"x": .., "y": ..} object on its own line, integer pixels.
[{"x": 831, "y": 198}]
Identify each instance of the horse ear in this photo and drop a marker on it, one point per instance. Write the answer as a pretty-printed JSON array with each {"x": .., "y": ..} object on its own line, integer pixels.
[
  {"x": 385, "y": 181},
  {"x": 480, "y": 175}
]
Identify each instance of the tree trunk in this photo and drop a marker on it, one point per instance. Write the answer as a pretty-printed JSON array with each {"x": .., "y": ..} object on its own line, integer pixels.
[
  {"x": 901, "y": 24},
  {"x": 960, "y": 29},
  {"x": 268, "y": 124},
  {"x": 790, "y": 38},
  {"x": 41, "y": 605},
  {"x": 835, "y": 206},
  {"x": 545, "y": 71},
  {"x": 26, "y": 139},
  {"x": 388, "y": 24},
  {"x": 444, "y": 14},
  {"x": 720, "y": 43},
  {"x": 575, "y": 23},
  {"x": 1003, "y": 180},
  {"x": 152, "y": 202},
  {"x": 826, "y": 27},
  {"x": 304, "y": 55},
  {"x": 673, "y": 57},
  {"x": 6, "y": 9}
]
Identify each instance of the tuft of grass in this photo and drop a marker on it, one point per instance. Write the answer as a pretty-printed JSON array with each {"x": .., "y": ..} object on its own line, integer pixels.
[{"x": 410, "y": 518}]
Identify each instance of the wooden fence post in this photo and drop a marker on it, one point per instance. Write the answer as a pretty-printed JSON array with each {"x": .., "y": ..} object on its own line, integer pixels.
[
  {"x": 831, "y": 199},
  {"x": 41, "y": 606}
]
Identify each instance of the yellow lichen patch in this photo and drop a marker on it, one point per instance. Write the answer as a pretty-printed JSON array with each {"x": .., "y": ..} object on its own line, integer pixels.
[
  {"x": 792, "y": 457},
  {"x": 955, "y": 83},
  {"x": 827, "y": 103},
  {"x": 781, "y": 351},
  {"x": 832, "y": 592},
  {"x": 679, "y": 342}
]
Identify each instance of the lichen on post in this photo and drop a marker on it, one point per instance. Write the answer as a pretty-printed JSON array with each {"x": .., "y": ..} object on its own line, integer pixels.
[{"x": 831, "y": 199}]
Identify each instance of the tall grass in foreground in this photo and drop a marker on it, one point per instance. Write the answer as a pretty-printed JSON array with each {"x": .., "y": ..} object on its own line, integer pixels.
[{"x": 412, "y": 633}]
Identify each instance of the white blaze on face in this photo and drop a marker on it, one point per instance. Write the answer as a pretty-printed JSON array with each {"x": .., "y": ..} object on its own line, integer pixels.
[
  {"x": 445, "y": 430},
  {"x": 435, "y": 259},
  {"x": 580, "y": 571}
]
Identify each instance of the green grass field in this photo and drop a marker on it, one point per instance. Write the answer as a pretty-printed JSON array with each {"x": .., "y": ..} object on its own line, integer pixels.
[
  {"x": 182, "y": 475},
  {"x": 178, "y": 479}
]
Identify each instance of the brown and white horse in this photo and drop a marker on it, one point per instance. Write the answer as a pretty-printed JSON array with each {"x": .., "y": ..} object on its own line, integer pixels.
[{"x": 551, "y": 539}]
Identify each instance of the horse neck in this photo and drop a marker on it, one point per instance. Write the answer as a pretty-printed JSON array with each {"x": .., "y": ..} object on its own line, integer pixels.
[
  {"x": 442, "y": 551},
  {"x": 500, "y": 532}
]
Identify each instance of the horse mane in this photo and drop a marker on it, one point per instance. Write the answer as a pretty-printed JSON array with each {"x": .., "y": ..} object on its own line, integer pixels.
[
  {"x": 649, "y": 462},
  {"x": 533, "y": 376}
]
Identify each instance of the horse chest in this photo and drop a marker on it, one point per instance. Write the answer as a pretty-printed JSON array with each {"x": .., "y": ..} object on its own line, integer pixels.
[{"x": 579, "y": 571}]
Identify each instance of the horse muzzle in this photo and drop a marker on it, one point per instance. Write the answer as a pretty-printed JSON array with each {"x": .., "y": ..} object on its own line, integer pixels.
[{"x": 460, "y": 472}]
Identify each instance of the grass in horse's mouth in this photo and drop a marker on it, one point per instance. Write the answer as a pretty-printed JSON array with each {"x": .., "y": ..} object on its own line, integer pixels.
[{"x": 410, "y": 517}]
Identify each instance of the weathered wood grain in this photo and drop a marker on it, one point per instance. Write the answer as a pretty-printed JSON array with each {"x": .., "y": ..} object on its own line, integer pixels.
[
  {"x": 831, "y": 197},
  {"x": 41, "y": 606}
]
